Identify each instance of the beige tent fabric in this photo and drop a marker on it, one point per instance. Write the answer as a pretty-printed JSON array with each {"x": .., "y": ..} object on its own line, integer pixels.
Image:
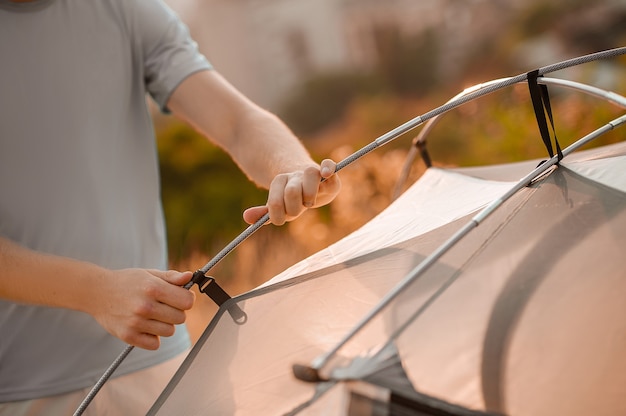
[
  {"x": 422, "y": 208},
  {"x": 531, "y": 324}
]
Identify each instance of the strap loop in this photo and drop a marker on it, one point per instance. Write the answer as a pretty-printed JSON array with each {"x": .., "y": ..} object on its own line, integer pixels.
[
  {"x": 541, "y": 105},
  {"x": 212, "y": 289}
]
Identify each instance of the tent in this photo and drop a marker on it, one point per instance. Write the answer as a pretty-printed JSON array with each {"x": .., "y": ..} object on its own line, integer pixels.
[
  {"x": 474, "y": 293},
  {"x": 533, "y": 323},
  {"x": 521, "y": 316}
]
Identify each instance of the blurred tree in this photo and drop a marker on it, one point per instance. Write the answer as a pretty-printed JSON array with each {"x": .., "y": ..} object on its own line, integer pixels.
[
  {"x": 407, "y": 64},
  {"x": 204, "y": 192},
  {"x": 323, "y": 99}
]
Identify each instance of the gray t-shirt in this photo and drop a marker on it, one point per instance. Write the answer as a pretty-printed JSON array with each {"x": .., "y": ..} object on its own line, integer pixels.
[{"x": 78, "y": 169}]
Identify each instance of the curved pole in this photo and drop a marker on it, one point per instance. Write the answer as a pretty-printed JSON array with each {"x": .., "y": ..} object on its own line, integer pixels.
[
  {"x": 610, "y": 96},
  {"x": 420, "y": 139}
]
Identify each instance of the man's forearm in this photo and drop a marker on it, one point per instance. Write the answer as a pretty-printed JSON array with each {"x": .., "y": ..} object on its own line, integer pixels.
[
  {"x": 258, "y": 141},
  {"x": 27, "y": 276},
  {"x": 268, "y": 148}
]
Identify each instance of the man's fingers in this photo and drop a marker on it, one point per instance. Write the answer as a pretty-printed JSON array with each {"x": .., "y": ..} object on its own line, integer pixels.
[
  {"x": 327, "y": 168},
  {"x": 276, "y": 201},
  {"x": 171, "y": 294},
  {"x": 290, "y": 194},
  {"x": 310, "y": 186},
  {"x": 151, "y": 321},
  {"x": 143, "y": 340},
  {"x": 157, "y": 328},
  {"x": 293, "y": 198},
  {"x": 172, "y": 276},
  {"x": 149, "y": 334},
  {"x": 157, "y": 311},
  {"x": 253, "y": 214}
]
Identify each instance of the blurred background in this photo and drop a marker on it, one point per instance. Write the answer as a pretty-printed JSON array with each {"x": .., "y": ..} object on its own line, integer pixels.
[{"x": 341, "y": 73}]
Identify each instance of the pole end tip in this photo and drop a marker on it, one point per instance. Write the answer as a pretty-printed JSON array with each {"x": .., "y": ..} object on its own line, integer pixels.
[{"x": 306, "y": 373}]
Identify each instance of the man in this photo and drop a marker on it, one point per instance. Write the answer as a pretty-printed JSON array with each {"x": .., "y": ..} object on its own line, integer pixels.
[{"x": 82, "y": 240}]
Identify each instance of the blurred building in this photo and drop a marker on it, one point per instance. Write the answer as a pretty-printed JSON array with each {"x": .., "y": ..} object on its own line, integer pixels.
[{"x": 266, "y": 47}]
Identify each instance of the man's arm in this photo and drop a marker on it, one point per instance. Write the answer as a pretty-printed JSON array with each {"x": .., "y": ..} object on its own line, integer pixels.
[
  {"x": 137, "y": 306},
  {"x": 259, "y": 142}
]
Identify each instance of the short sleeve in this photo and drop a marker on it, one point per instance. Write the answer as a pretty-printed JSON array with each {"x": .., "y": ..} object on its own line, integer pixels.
[{"x": 169, "y": 54}]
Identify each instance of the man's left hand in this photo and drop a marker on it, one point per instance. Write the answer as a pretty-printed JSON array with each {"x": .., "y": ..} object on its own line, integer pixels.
[{"x": 290, "y": 194}]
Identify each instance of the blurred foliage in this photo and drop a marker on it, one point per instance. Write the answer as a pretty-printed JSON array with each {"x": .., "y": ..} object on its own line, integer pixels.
[
  {"x": 320, "y": 99},
  {"x": 401, "y": 62},
  {"x": 324, "y": 98},
  {"x": 576, "y": 23},
  {"x": 502, "y": 128},
  {"x": 204, "y": 193},
  {"x": 335, "y": 114},
  {"x": 407, "y": 64}
]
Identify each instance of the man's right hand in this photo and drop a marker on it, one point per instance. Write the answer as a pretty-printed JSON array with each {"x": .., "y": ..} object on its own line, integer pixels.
[{"x": 138, "y": 306}]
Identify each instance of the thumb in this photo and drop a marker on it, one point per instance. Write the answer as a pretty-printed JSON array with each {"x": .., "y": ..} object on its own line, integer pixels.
[
  {"x": 174, "y": 277},
  {"x": 327, "y": 168},
  {"x": 253, "y": 214}
]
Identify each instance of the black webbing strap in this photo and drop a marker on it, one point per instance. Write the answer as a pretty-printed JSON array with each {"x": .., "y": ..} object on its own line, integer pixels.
[
  {"x": 421, "y": 147},
  {"x": 208, "y": 286},
  {"x": 541, "y": 104}
]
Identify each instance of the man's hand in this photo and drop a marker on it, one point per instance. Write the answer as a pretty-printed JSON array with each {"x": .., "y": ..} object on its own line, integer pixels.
[
  {"x": 136, "y": 305},
  {"x": 139, "y": 306},
  {"x": 290, "y": 194}
]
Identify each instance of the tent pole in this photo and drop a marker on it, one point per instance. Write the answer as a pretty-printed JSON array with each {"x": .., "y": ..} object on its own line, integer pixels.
[
  {"x": 420, "y": 140},
  {"x": 313, "y": 373}
]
